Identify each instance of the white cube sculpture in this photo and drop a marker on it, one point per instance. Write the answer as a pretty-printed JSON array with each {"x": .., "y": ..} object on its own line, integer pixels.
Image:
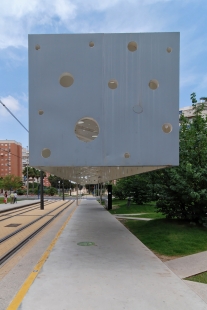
[{"x": 103, "y": 106}]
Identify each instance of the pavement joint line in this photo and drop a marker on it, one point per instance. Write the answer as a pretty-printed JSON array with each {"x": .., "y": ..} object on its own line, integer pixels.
[{"x": 30, "y": 279}]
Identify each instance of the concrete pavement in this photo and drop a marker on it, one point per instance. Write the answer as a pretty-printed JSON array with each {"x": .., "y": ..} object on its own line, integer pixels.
[{"x": 117, "y": 272}]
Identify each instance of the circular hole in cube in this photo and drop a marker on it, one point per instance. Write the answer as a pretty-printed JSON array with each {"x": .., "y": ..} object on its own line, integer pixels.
[
  {"x": 153, "y": 84},
  {"x": 167, "y": 128},
  {"x": 86, "y": 129},
  {"x": 126, "y": 155},
  {"x": 91, "y": 44},
  {"x": 138, "y": 109},
  {"x": 66, "y": 79},
  {"x": 169, "y": 49},
  {"x": 46, "y": 153},
  {"x": 37, "y": 47},
  {"x": 113, "y": 84},
  {"x": 41, "y": 112},
  {"x": 132, "y": 46}
]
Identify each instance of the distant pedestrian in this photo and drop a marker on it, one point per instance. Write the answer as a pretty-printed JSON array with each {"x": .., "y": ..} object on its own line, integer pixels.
[
  {"x": 15, "y": 197},
  {"x": 5, "y": 197}
]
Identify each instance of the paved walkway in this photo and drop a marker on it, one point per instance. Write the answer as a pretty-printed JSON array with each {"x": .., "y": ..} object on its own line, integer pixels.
[
  {"x": 132, "y": 218},
  {"x": 20, "y": 203},
  {"x": 118, "y": 272},
  {"x": 189, "y": 265},
  {"x": 199, "y": 288}
]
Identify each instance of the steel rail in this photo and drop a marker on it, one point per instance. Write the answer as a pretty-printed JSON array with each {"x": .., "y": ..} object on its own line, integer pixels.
[
  {"x": 29, "y": 224},
  {"x": 17, "y": 214},
  {"x": 6, "y": 256}
]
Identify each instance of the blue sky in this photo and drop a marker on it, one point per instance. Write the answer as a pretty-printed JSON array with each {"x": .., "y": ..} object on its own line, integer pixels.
[{"x": 18, "y": 18}]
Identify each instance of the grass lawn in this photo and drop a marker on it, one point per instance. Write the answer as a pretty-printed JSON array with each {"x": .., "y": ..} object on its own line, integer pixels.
[
  {"x": 169, "y": 237},
  {"x": 120, "y": 207},
  {"x": 2, "y": 200},
  {"x": 202, "y": 278}
]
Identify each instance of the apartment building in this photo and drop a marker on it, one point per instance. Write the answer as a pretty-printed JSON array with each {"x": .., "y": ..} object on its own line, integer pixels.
[
  {"x": 25, "y": 157},
  {"x": 188, "y": 111},
  {"x": 10, "y": 158},
  {"x": 46, "y": 182}
]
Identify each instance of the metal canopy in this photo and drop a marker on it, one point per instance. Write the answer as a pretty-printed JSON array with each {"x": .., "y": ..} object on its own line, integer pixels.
[{"x": 103, "y": 106}]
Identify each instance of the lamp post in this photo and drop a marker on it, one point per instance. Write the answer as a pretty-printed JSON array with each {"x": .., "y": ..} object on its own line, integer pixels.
[
  {"x": 63, "y": 190},
  {"x": 70, "y": 187},
  {"x": 59, "y": 188},
  {"x": 27, "y": 174}
]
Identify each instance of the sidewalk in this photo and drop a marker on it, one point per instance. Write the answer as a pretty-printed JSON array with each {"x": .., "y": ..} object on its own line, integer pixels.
[
  {"x": 117, "y": 272},
  {"x": 189, "y": 265},
  {"x": 19, "y": 204}
]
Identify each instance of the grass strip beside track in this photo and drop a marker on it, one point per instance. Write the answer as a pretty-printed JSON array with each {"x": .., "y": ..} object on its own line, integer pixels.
[{"x": 26, "y": 285}]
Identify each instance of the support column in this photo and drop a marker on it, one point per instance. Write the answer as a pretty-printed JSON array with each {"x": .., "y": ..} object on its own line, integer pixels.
[
  {"x": 109, "y": 197},
  {"x": 101, "y": 194},
  {"x": 41, "y": 191},
  {"x": 63, "y": 191},
  {"x": 77, "y": 194}
]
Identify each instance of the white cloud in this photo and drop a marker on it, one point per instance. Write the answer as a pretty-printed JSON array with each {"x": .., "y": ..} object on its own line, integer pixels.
[
  {"x": 11, "y": 103},
  {"x": 20, "y": 17}
]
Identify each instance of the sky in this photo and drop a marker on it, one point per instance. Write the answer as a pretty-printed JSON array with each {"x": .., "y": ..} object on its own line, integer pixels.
[{"x": 18, "y": 18}]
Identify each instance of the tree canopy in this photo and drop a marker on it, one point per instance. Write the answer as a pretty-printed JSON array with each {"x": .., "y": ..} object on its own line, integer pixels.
[{"x": 11, "y": 182}]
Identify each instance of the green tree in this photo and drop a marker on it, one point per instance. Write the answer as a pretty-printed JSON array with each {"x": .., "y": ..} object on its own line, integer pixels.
[
  {"x": 136, "y": 186},
  {"x": 32, "y": 173},
  {"x": 54, "y": 181},
  {"x": 11, "y": 182},
  {"x": 183, "y": 189},
  {"x": 51, "y": 191}
]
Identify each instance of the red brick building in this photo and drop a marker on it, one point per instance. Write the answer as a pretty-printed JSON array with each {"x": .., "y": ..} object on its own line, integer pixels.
[
  {"x": 46, "y": 182},
  {"x": 10, "y": 158}
]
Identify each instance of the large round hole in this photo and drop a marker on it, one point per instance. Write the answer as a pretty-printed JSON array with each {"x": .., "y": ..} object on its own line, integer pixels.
[
  {"x": 46, "y": 153},
  {"x": 86, "y": 129},
  {"x": 37, "y": 47},
  {"x": 169, "y": 49},
  {"x": 41, "y": 112},
  {"x": 91, "y": 44},
  {"x": 113, "y": 84},
  {"x": 138, "y": 109},
  {"x": 66, "y": 79},
  {"x": 132, "y": 46},
  {"x": 126, "y": 155},
  {"x": 153, "y": 84},
  {"x": 167, "y": 128}
]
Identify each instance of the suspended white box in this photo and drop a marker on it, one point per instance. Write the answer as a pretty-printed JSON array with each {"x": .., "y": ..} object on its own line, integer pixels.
[{"x": 103, "y": 100}]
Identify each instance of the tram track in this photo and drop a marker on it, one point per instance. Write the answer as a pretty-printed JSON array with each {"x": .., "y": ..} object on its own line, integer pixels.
[
  {"x": 19, "y": 211},
  {"x": 8, "y": 246}
]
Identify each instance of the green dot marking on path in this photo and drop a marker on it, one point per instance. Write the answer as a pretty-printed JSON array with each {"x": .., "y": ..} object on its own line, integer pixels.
[{"x": 86, "y": 243}]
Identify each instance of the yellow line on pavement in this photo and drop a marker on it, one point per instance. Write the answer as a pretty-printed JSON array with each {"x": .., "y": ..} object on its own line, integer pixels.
[{"x": 28, "y": 282}]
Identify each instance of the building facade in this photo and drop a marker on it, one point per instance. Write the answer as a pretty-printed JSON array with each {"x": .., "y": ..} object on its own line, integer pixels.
[
  {"x": 46, "y": 182},
  {"x": 10, "y": 158},
  {"x": 25, "y": 157},
  {"x": 188, "y": 111}
]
